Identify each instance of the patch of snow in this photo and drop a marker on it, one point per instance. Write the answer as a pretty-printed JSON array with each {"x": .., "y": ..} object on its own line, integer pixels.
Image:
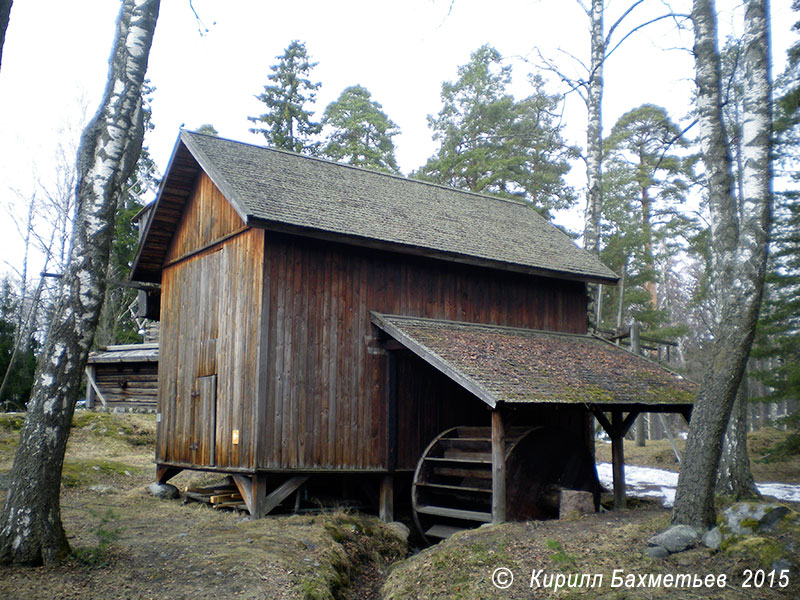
[{"x": 646, "y": 482}]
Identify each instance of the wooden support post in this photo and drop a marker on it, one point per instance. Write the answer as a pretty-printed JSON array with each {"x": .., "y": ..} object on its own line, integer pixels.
[
  {"x": 391, "y": 411},
  {"x": 254, "y": 493},
  {"x": 92, "y": 383},
  {"x": 498, "y": 467},
  {"x": 386, "y": 503},
  {"x": 165, "y": 473},
  {"x": 618, "y": 459},
  {"x": 90, "y": 393},
  {"x": 616, "y": 430}
]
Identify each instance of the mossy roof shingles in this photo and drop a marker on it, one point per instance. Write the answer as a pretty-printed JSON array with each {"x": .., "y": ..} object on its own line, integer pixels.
[
  {"x": 272, "y": 187},
  {"x": 511, "y": 365}
]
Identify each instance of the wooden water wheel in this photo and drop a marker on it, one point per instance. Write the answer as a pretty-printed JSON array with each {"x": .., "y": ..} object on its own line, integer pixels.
[{"x": 452, "y": 486}]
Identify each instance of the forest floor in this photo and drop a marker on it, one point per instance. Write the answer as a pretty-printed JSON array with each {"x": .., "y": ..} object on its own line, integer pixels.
[{"x": 127, "y": 544}]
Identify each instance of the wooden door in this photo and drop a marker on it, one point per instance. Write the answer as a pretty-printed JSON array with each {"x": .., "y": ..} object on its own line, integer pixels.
[{"x": 203, "y": 420}]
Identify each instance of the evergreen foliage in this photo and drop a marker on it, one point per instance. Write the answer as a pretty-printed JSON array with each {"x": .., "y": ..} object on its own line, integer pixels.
[
  {"x": 361, "y": 133},
  {"x": 287, "y": 124},
  {"x": 778, "y": 336},
  {"x": 491, "y": 143},
  {"x": 18, "y": 388},
  {"x": 647, "y": 176}
]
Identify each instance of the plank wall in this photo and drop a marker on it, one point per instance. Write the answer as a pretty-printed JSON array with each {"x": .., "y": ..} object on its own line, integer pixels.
[
  {"x": 210, "y": 334},
  {"x": 325, "y": 374}
]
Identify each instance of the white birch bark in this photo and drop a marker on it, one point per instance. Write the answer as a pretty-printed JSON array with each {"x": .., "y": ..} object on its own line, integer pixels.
[
  {"x": 594, "y": 131},
  {"x": 738, "y": 246},
  {"x": 30, "y": 524}
]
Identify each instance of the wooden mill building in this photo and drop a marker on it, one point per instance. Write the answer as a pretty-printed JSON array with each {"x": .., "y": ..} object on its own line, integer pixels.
[{"x": 322, "y": 320}]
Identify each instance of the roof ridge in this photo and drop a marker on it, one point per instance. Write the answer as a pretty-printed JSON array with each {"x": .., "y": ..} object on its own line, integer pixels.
[{"x": 399, "y": 177}]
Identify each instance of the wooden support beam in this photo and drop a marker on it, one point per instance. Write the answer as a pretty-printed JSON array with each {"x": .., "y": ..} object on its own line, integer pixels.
[
  {"x": 628, "y": 422},
  {"x": 280, "y": 494},
  {"x": 254, "y": 491},
  {"x": 164, "y": 473},
  {"x": 618, "y": 459},
  {"x": 386, "y": 503},
  {"x": 90, "y": 372},
  {"x": 391, "y": 411},
  {"x": 498, "y": 467}
]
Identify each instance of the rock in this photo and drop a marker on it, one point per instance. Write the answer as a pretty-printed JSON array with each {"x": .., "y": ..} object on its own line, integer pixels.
[
  {"x": 575, "y": 502},
  {"x": 676, "y": 539},
  {"x": 657, "y": 552},
  {"x": 748, "y": 518},
  {"x": 399, "y": 529},
  {"x": 712, "y": 538},
  {"x": 163, "y": 490},
  {"x": 102, "y": 489},
  {"x": 782, "y": 564}
]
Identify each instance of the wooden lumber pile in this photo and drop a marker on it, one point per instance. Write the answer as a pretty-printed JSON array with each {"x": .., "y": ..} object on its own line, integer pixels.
[{"x": 225, "y": 495}]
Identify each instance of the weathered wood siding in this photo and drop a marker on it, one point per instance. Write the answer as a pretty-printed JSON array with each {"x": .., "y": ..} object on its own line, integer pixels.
[
  {"x": 325, "y": 375},
  {"x": 206, "y": 218},
  {"x": 209, "y": 344}
]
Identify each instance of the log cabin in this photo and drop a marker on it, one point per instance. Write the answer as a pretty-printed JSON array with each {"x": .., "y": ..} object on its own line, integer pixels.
[
  {"x": 123, "y": 378},
  {"x": 324, "y": 322}
]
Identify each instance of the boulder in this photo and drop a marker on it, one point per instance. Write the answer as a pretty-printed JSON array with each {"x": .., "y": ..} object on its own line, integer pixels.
[
  {"x": 748, "y": 518},
  {"x": 676, "y": 539},
  {"x": 575, "y": 502},
  {"x": 400, "y": 530},
  {"x": 165, "y": 491},
  {"x": 712, "y": 538}
]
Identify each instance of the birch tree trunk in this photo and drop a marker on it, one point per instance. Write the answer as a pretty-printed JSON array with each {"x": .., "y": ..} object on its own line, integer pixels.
[
  {"x": 734, "y": 477},
  {"x": 738, "y": 246},
  {"x": 30, "y": 525},
  {"x": 594, "y": 131},
  {"x": 594, "y": 151}
]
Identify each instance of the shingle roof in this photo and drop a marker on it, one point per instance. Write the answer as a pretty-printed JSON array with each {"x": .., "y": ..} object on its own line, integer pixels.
[
  {"x": 274, "y": 188},
  {"x": 512, "y": 365},
  {"x": 125, "y": 353}
]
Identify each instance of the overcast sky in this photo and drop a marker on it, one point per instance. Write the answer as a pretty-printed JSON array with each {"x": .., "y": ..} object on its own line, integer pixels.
[{"x": 55, "y": 63}]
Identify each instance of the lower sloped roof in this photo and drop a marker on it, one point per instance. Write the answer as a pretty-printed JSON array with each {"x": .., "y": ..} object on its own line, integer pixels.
[
  {"x": 512, "y": 365},
  {"x": 127, "y": 353}
]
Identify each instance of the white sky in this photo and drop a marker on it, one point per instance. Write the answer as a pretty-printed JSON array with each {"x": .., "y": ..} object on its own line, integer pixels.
[{"x": 55, "y": 63}]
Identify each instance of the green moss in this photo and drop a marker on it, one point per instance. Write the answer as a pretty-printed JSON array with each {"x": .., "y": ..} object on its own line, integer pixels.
[
  {"x": 762, "y": 549},
  {"x": 751, "y": 524},
  {"x": 118, "y": 427},
  {"x": 11, "y": 421},
  {"x": 87, "y": 472}
]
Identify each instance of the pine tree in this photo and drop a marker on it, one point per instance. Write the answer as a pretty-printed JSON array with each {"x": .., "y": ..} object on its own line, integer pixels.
[
  {"x": 361, "y": 133},
  {"x": 491, "y": 143},
  {"x": 778, "y": 339},
  {"x": 287, "y": 123},
  {"x": 646, "y": 180}
]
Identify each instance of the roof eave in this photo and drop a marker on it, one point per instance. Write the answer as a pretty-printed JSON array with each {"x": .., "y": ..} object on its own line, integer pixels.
[{"x": 376, "y": 244}]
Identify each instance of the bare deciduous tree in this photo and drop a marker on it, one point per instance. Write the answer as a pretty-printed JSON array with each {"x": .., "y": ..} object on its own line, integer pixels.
[
  {"x": 30, "y": 525},
  {"x": 738, "y": 245}
]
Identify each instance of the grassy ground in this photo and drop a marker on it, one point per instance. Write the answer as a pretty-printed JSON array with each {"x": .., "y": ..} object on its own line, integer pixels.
[{"x": 130, "y": 545}]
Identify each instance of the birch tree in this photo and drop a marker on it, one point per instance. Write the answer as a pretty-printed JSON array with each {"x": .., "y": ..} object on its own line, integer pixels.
[
  {"x": 738, "y": 245},
  {"x": 30, "y": 525}
]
